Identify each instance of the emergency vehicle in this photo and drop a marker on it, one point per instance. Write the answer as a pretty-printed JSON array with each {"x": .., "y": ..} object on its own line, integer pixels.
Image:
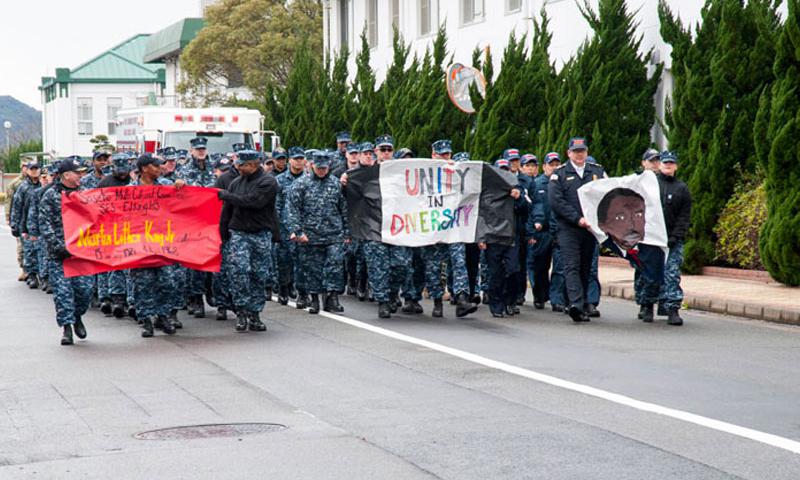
[{"x": 146, "y": 129}]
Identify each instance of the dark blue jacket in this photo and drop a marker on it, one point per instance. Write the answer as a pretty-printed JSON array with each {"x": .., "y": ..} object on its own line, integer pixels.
[{"x": 563, "y": 191}]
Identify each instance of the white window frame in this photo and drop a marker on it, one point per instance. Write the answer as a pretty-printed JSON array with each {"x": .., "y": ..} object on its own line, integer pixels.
[
  {"x": 433, "y": 17},
  {"x": 84, "y": 112},
  {"x": 113, "y": 105},
  {"x": 471, "y": 11},
  {"x": 371, "y": 13},
  {"x": 509, "y": 9}
]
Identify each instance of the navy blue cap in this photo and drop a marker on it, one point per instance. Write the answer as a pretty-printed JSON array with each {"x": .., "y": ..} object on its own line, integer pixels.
[
  {"x": 182, "y": 153},
  {"x": 669, "y": 157},
  {"x": 461, "y": 157},
  {"x": 297, "y": 152},
  {"x": 501, "y": 163},
  {"x": 552, "y": 157},
  {"x": 651, "y": 154},
  {"x": 147, "y": 159},
  {"x": 353, "y": 147},
  {"x": 243, "y": 156},
  {"x": 33, "y": 164},
  {"x": 343, "y": 137},
  {"x": 367, "y": 147},
  {"x": 223, "y": 164},
  {"x": 169, "y": 153},
  {"x": 279, "y": 153},
  {"x": 529, "y": 158},
  {"x": 121, "y": 162},
  {"x": 442, "y": 146},
  {"x": 578, "y": 143},
  {"x": 240, "y": 146},
  {"x": 384, "y": 141},
  {"x": 403, "y": 153},
  {"x": 199, "y": 142},
  {"x": 71, "y": 164},
  {"x": 322, "y": 159},
  {"x": 511, "y": 154},
  {"x": 100, "y": 153}
]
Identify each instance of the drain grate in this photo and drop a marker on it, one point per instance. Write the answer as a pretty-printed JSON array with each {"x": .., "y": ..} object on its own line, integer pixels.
[{"x": 220, "y": 430}]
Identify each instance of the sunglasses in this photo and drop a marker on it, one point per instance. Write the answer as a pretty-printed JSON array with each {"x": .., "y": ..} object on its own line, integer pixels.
[{"x": 386, "y": 149}]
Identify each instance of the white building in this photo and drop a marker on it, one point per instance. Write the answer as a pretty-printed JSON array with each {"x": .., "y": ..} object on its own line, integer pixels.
[
  {"x": 80, "y": 103},
  {"x": 482, "y": 24}
]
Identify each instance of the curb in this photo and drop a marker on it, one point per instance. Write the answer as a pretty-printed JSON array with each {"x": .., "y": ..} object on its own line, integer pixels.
[{"x": 716, "y": 305}]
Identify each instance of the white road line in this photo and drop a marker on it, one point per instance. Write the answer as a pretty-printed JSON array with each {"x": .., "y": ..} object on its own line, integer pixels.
[{"x": 739, "y": 431}]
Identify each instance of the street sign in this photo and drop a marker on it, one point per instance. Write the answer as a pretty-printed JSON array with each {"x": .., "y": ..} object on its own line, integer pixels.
[{"x": 459, "y": 79}]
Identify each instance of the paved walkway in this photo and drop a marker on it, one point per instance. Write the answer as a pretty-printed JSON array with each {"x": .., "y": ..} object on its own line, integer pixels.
[{"x": 772, "y": 302}]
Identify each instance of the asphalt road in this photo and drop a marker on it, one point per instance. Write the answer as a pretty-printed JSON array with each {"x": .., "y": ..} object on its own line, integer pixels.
[{"x": 417, "y": 398}]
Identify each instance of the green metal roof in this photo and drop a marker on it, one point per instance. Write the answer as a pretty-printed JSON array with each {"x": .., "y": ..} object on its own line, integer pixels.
[
  {"x": 121, "y": 64},
  {"x": 172, "y": 39}
]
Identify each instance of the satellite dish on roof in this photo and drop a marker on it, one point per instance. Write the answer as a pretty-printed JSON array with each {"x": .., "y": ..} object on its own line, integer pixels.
[{"x": 459, "y": 79}]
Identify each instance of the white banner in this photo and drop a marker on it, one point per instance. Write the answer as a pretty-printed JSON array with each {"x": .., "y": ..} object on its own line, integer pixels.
[
  {"x": 626, "y": 210},
  {"x": 429, "y": 201}
]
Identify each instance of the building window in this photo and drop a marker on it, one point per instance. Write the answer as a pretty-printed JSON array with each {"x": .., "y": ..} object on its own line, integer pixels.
[
  {"x": 513, "y": 6},
  {"x": 394, "y": 5},
  {"x": 84, "y": 116},
  {"x": 427, "y": 16},
  {"x": 372, "y": 22},
  {"x": 113, "y": 105},
  {"x": 142, "y": 101},
  {"x": 471, "y": 11},
  {"x": 344, "y": 16}
]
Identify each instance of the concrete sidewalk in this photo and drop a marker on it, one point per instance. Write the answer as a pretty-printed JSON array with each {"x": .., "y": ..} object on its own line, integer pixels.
[{"x": 759, "y": 300}]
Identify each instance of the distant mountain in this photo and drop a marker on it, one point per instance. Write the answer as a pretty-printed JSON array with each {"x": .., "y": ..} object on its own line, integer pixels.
[{"x": 26, "y": 122}]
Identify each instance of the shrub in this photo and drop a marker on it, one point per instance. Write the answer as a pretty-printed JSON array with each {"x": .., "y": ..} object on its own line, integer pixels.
[{"x": 739, "y": 226}]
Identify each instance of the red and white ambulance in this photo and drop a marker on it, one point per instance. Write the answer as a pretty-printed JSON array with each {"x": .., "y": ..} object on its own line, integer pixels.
[{"x": 146, "y": 129}]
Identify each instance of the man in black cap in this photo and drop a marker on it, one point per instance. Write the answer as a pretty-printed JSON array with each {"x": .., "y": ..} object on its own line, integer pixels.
[
  {"x": 574, "y": 236},
  {"x": 253, "y": 226},
  {"x": 99, "y": 162},
  {"x": 343, "y": 139},
  {"x": 70, "y": 295}
]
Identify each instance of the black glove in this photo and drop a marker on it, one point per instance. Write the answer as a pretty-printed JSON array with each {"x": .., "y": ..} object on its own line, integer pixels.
[
  {"x": 671, "y": 242},
  {"x": 63, "y": 254}
]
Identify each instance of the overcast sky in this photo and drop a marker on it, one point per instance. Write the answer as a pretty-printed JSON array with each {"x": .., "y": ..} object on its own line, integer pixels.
[{"x": 36, "y": 36}]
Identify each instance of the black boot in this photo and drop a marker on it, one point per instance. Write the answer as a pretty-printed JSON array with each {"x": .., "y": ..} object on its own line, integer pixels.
[
  {"x": 132, "y": 312},
  {"x": 165, "y": 325},
  {"x": 673, "y": 318},
  {"x": 80, "y": 329},
  {"x": 147, "y": 327},
  {"x": 538, "y": 305},
  {"x": 33, "y": 281},
  {"x": 314, "y": 306},
  {"x": 283, "y": 295},
  {"x": 44, "y": 284},
  {"x": 393, "y": 299},
  {"x": 463, "y": 306},
  {"x": 411, "y": 306},
  {"x": 241, "y": 321},
  {"x": 592, "y": 311},
  {"x": 222, "y": 314},
  {"x": 558, "y": 308},
  {"x": 384, "y": 311},
  {"x": 268, "y": 293},
  {"x": 190, "y": 304},
  {"x": 332, "y": 303},
  {"x": 106, "y": 307},
  {"x": 118, "y": 306},
  {"x": 646, "y": 313},
  {"x": 66, "y": 336},
  {"x": 577, "y": 314},
  {"x": 173, "y": 319},
  {"x": 361, "y": 289},
  {"x": 509, "y": 310},
  {"x": 475, "y": 298},
  {"x": 438, "y": 308},
  {"x": 255, "y": 324},
  {"x": 302, "y": 301},
  {"x": 200, "y": 307}
]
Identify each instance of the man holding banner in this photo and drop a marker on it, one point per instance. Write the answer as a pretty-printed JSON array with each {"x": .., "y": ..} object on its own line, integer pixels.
[{"x": 70, "y": 295}]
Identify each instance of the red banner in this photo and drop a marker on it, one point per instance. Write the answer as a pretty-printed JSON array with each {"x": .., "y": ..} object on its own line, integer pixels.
[{"x": 143, "y": 226}]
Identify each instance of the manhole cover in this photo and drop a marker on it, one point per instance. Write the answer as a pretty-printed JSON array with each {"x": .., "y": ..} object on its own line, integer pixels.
[{"x": 191, "y": 432}]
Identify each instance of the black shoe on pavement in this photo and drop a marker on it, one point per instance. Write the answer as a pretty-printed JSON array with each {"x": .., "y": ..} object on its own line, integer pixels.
[
  {"x": 332, "y": 303},
  {"x": 132, "y": 312},
  {"x": 538, "y": 305},
  {"x": 592, "y": 311},
  {"x": 577, "y": 314},
  {"x": 411, "y": 306},
  {"x": 191, "y": 305},
  {"x": 33, "y": 281},
  {"x": 521, "y": 301},
  {"x": 509, "y": 310},
  {"x": 165, "y": 325},
  {"x": 438, "y": 308},
  {"x": 646, "y": 313},
  {"x": 463, "y": 306},
  {"x": 241, "y": 321},
  {"x": 199, "y": 307},
  {"x": 302, "y": 301},
  {"x": 66, "y": 336},
  {"x": 147, "y": 327},
  {"x": 283, "y": 295},
  {"x": 80, "y": 329},
  {"x": 497, "y": 314},
  {"x": 313, "y": 307},
  {"x": 268, "y": 293},
  {"x": 674, "y": 318},
  {"x": 395, "y": 303},
  {"x": 106, "y": 307},
  {"x": 384, "y": 310},
  {"x": 173, "y": 319},
  {"x": 558, "y": 308},
  {"x": 255, "y": 324},
  {"x": 118, "y": 306},
  {"x": 222, "y": 314},
  {"x": 475, "y": 298}
]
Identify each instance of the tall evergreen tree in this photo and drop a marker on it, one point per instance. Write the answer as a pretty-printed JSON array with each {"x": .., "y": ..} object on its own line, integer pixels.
[
  {"x": 777, "y": 130},
  {"x": 370, "y": 117}
]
